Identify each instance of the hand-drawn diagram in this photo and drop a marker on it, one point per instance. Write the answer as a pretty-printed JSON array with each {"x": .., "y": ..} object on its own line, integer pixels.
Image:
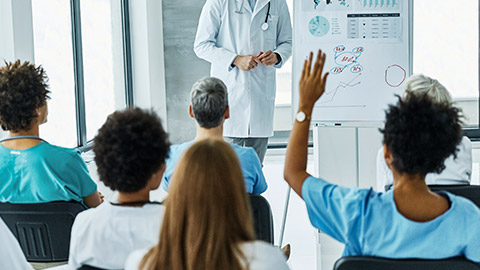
[
  {"x": 395, "y": 75},
  {"x": 347, "y": 59},
  {"x": 329, "y": 96},
  {"x": 322, "y": 4},
  {"x": 319, "y": 26}
]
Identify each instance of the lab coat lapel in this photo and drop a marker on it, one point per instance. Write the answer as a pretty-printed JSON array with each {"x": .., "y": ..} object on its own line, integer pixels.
[
  {"x": 259, "y": 6},
  {"x": 244, "y": 4}
]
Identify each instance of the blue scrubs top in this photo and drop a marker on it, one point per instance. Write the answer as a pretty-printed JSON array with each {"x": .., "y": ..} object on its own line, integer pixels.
[
  {"x": 251, "y": 167},
  {"x": 369, "y": 224},
  {"x": 43, "y": 173}
]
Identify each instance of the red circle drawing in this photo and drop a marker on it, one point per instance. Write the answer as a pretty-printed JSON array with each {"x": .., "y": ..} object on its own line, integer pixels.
[{"x": 403, "y": 77}]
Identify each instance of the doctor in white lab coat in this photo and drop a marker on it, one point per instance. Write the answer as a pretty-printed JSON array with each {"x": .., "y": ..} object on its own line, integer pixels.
[{"x": 245, "y": 41}]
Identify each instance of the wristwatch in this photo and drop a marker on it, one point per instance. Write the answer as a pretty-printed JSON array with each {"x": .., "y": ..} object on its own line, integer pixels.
[{"x": 300, "y": 117}]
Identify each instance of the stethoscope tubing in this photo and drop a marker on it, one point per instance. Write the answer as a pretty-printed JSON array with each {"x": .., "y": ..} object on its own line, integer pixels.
[{"x": 265, "y": 24}]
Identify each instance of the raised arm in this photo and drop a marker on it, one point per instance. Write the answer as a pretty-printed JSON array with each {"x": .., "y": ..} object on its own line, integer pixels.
[{"x": 311, "y": 86}]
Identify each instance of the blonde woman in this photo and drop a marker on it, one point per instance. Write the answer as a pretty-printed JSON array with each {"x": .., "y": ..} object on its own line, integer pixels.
[
  {"x": 208, "y": 222},
  {"x": 458, "y": 167}
]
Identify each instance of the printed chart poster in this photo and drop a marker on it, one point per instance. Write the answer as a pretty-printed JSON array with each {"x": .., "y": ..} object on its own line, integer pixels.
[{"x": 368, "y": 55}]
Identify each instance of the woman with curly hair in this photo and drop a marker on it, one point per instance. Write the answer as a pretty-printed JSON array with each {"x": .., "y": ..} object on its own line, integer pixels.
[
  {"x": 130, "y": 152},
  {"x": 409, "y": 221},
  {"x": 458, "y": 167},
  {"x": 208, "y": 223},
  {"x": 32, "y": 170}
]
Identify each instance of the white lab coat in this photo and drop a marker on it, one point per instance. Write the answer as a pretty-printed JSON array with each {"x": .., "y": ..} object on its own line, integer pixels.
[{"x": 222, "y": 34}]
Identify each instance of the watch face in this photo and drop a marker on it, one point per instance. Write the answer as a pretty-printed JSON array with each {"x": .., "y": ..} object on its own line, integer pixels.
[{"x": 300, "y": 116}]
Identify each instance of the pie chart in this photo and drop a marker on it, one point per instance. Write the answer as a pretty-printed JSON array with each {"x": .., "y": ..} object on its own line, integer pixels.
[{"x": 319, "y": 26}]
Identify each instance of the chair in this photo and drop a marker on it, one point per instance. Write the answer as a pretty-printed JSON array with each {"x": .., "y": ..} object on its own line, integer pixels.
[
  {"x": 42, "y": 229},
  {"x": 88, "y": 267},
  {"x": 262, "y": 217},
  {"x": 471, "y": 192},
  {"x": 376, "y": 263}
]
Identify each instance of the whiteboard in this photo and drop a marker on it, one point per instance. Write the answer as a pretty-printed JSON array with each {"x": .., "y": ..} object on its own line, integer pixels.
[{"x": 368, "y": 44}]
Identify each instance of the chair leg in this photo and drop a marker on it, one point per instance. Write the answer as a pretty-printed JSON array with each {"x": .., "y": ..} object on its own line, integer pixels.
[{"x": 284, "y": 221}]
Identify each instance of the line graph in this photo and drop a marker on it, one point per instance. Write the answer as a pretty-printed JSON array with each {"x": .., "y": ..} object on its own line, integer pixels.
[{"x": 329, "y": 96}]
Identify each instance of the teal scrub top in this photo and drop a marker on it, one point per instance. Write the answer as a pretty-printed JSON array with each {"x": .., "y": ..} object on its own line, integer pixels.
[
  {"x": 249, "y": 162},
  {"x": 43, "y": 173},
  {"x": 369, "y": 224}
]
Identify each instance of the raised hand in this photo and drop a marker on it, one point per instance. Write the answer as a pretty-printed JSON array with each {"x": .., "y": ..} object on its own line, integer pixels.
[{"x": 312, "y": 82}]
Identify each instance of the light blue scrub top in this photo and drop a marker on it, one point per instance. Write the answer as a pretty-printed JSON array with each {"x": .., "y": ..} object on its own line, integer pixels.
[
  {"x": 251, "y": 167},
  {"x": 43, "y": 173},
  {"x": 369, "y": 224}
]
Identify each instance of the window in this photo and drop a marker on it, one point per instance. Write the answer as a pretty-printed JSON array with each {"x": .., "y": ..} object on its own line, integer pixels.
[
  {"x": 83, "y": 46},
  {"x": 53, "y": 50},
  {"x": 446, "y": 48},
  {"x": 102, "y": 47}
]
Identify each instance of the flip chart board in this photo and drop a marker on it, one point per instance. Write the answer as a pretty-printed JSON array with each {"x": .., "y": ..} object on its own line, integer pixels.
[{"x": 369, "y": 55}]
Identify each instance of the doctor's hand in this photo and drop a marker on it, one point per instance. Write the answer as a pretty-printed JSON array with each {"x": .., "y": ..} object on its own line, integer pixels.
[
  {"x": 312, "y": 82},
  {"x": 268, "y": 58},
  {"x": 246, "y": 62}
]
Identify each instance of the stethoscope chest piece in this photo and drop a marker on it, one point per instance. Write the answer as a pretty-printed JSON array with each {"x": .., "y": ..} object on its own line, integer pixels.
[{"x": 265, "y": 26}]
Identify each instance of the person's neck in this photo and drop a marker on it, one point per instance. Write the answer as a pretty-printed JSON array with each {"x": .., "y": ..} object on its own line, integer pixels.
[
  {"x": 23, "y": 143},
  {"x": 209, "y": 133},
  {"x": 139, "y": 196},
  {"x": 33, "y": 131},
  {"x": 409, "y": 183},
  {"x": 414, "y": 200}
]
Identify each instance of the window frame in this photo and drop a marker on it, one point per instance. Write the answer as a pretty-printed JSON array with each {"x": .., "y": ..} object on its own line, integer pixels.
[{"x": 83, "y": 144}]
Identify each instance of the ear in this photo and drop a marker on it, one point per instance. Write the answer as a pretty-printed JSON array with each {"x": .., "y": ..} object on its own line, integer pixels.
[
  {"x": 227, "y": 113},
  {"x": 388, "y": 156},
  {"x": 190, "y": 111}
]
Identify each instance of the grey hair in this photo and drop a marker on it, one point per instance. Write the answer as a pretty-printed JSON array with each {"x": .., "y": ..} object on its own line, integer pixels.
[
  {"x": 424, "y": 85},
  {"x": 209, "y": 100}
]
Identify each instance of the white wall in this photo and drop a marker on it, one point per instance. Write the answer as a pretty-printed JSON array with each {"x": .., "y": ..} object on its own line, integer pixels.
[
  {"x": 146, "y": 27},
  {"x": 16, "y": 30}
]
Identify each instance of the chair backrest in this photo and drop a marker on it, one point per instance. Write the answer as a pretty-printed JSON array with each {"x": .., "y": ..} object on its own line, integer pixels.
[
  {"x": 262, "y": 217},
  {"x": 88, "y": 267},
  {"x": 42, "y": 229},
  {"x": 471, "y": 192},
  {"x": 375, "y": 263}
]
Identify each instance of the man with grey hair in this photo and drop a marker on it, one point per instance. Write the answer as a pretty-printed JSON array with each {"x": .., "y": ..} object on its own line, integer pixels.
[{"x": 209, "y": 108}]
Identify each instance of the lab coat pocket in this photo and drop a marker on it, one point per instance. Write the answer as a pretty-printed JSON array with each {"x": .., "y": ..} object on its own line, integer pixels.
[{"x": 271, "y": 33}]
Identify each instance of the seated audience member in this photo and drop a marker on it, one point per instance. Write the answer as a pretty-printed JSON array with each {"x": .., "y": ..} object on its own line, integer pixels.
[
  {"x": 409, "y": 221},
  {"x": 130, "y": 151},
  {"x": 208, "y": 223},
  {"x": 458, "y": 170},
  {"x": 32, "y": 170},
  {"x": 209, "y": 107},
  {"x": 11, "y": 255}
]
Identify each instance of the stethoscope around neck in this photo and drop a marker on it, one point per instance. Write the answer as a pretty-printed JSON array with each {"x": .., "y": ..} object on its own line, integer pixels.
[{"x": 265, "y": 24}]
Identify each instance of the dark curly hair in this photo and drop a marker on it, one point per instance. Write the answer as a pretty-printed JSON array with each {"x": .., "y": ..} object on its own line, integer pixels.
[
  {"x": 23, "y": 89},
  {"x": 129, "y": 148},
  {"x": 421, "y": 134}
]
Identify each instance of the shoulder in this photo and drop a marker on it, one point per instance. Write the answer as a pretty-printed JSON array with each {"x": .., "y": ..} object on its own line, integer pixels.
[
  {"x": 90, "y": 215},
  {"x": 464, "y": 206},
  {"x": 62, "y": 152},
  {"x": 134, "y": 259},
  {"x": 244, "y": 152},
  {"x": 465, "y": 144},
  {"x": 261, "y": 255},
  {"x": 178, "y": 149}
]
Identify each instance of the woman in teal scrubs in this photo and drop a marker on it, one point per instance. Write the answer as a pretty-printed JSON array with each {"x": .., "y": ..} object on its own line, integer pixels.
[
  {"x": 409, "y": 221},
  {"x": 31, "y": 169}
]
